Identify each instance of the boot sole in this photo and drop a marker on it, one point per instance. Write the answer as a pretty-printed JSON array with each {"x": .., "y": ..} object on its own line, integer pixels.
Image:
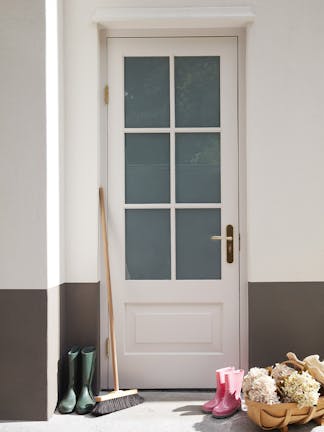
[
  {"x": 206, "y": 412},
  {"x": 82, "y": 412},
  {"x": 65, "y": 412}
]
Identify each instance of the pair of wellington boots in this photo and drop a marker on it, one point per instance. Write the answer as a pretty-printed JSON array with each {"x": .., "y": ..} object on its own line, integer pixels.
[
  {"x": 85, "y": 402},
  {"x": 227, "y": 400}
]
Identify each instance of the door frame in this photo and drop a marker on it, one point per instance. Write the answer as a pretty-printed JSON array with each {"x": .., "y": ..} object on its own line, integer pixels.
[{"x": 240, "y": 34}]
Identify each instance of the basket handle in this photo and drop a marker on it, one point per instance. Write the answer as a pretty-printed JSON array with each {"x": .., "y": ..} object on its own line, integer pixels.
[
  {"x": 294, "y": 362},
  {"x": 295, "y": 365},
  {"x": 292, "y": 356}
]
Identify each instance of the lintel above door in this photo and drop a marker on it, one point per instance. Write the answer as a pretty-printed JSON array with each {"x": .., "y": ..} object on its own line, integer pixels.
[{"x": 177, "y": 17}]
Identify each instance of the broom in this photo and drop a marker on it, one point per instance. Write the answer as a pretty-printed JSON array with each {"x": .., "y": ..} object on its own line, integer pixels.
[{"x": 117, "y": 399}]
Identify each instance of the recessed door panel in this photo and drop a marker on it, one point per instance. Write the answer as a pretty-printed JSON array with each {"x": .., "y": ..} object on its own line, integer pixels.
[{"x": 169, "y": 329}]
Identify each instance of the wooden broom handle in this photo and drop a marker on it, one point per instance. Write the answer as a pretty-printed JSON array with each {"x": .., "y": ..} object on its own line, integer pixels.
[{"x": 109, "y": 293}]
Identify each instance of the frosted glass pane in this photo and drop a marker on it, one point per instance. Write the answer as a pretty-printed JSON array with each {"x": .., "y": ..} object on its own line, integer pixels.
[
  {"x": 198, "y": 177},
  {"x": 147, "y": 168},
  {"x": 198, "y": 257},
  {"x": 147, "y": 92},
  {"x": 148, "y": 244},
  {"x": 197, "y": 91}
]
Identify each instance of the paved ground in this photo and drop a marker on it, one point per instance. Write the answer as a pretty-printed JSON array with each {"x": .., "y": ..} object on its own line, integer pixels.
[{"x": 162, "y": 411}]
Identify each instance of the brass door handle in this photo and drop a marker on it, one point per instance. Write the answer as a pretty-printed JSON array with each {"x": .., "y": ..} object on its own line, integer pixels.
[
  {"x": 229, "y": 242},
  {"x": 221, "y": 238}
]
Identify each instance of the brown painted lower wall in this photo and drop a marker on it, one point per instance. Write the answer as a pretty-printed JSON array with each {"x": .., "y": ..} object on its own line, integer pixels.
[
  {"x": 23, "y": 355},
  {"x": 79, "y": 325},
  {"x": 285, "y": 316},
  {"x": 28, "y": 378}
]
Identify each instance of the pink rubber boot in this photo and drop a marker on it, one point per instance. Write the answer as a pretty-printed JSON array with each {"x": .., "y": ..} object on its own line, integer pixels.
[
  {"x": 231, "y": 402},
  {"x": 220, "y": 390}
]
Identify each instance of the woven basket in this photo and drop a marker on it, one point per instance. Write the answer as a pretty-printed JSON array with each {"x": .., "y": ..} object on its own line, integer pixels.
[{"x": 279, "y": 416}]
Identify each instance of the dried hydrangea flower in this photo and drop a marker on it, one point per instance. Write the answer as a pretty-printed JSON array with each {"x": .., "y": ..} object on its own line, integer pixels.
[
  {"x": 258, "y": 386},
  {"x": 301, "y": 388},
  {"x": 281, "y": 371},
  {"x": 252, "y": 375}
]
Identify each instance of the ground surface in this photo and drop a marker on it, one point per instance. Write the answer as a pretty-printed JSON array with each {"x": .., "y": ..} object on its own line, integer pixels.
[{"x": 162, "y": 411}]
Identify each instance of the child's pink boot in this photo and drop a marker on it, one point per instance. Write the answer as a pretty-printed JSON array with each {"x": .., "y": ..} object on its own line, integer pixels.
[
  {"x": 231, "y": 402},
  {"x": 220, "y": 390}
]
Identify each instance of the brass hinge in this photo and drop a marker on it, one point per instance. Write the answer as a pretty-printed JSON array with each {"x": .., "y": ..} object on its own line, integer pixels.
[
  {"x": 106, "y": 95},
  {"x": 107, "y": 347}
]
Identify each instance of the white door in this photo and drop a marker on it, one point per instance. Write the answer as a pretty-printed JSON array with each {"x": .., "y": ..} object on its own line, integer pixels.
[{"x": 172, "y": 185}]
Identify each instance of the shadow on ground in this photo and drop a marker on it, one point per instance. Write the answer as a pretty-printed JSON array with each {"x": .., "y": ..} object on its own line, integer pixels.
[
  {"x": 239, "y": 422},
  {"x": 188, "y": 410}
]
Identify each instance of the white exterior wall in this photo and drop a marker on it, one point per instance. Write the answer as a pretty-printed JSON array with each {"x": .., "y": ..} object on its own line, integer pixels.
[
  {"x": 81, "y": 120},
  {"x": 55, "y": 143},
  {"x": 54, "y": 192},
  {"x": 22, "y": 145},
  {"x": 30, "y": 228},
  {"x": 285, "y": 141},
  {"x": 285, "y": 151},
  {"x": 53, "y": 153}
]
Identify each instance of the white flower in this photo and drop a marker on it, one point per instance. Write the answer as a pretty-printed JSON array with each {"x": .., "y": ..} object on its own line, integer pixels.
[
  {"x": 252, "y": 375},
  {"x": 302, "y": 389},
  {"x": 258, "y": 386},
  {"x": 280, "y": 371}
]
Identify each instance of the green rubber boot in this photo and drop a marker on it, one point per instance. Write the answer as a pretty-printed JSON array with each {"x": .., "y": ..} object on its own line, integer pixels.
[
  {"x": 68, "y": 402},
  {"x": 86, "y": 400}
]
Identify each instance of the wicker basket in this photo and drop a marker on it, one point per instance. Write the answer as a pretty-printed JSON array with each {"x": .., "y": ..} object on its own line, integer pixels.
[{"x": 279, "y": 416}]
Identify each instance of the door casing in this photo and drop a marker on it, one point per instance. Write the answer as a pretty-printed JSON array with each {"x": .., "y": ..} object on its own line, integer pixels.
[{"x": 104, "y": 80}]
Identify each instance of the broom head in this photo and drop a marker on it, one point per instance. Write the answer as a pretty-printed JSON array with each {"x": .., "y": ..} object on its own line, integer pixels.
[{"x": 116, "y": 401}]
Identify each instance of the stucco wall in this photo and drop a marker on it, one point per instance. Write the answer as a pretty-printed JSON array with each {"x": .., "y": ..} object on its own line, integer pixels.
[
  {"x": 22, "y": 145},
  {"x": 30, "y": 231},
  {"x": 285, "y": 136},
  {"x": 81, "y": 100},
  {"x": 285, "y": 114},
  {"x": 54, "y": 143}
]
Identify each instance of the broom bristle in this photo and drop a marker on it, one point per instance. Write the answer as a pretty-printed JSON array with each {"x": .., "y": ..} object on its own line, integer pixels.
[{"x": 120, "y": 403}]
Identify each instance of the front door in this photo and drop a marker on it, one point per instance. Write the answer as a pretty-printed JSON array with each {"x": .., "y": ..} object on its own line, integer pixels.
[{"x": 173, "y": 208}]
